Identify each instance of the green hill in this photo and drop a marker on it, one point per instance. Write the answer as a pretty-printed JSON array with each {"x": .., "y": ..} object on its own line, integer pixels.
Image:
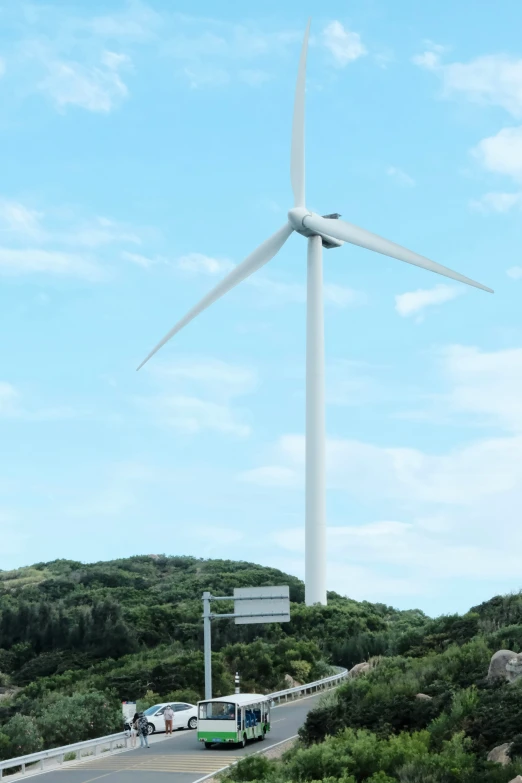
[{"x": 76, "y": 639}]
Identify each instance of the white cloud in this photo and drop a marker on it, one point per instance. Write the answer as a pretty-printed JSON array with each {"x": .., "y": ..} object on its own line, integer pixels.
[
  {"x": 400, "y": 176},
  {"x": 15, "y": 262},
  {"x": 193, "y": 415},
  {"x": 413, "y": 302},
  {"x": 427, "y": 60},
  {"x": 275, "y": 291},
  {"x": 14, "y": 406},
  {"x": 344, "y": 45},
  {"x": 2, "y": 67},
  {"x": 486, "y": 383},
  {"x": 136, "y": 258},
  {"x": 497, "y": 202},
  {"x": 502, "y": 153},
  {"x": 490, "y": 79},
  {"x": 197, "y": 263},
  {"x": 222, "y": 379},
  {"x": 515, "y": 272},
  {"x": 97, "y": 88},
  {"x": 200, "y": 395},
  {"x": 19, "y": 219}
]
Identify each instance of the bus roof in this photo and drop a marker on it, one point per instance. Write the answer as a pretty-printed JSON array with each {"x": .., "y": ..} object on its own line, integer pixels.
[{"x": 239, "y": 698}]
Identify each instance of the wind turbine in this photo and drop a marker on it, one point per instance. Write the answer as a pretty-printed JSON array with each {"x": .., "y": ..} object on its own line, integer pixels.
[{"x": 321, "y": 231}]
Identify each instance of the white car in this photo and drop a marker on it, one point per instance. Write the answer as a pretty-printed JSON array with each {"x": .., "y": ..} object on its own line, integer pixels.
[{"x": 185, "y": 716}]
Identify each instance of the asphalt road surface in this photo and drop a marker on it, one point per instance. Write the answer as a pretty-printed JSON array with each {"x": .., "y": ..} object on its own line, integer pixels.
[{"x": 181, "y": 758}]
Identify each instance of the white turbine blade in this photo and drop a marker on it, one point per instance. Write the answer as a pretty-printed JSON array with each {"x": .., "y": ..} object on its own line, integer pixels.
[
  {"x": 297, "y": 164},
  {"x": 347, "y": 232},
  {"x": 262, "y": 255}
]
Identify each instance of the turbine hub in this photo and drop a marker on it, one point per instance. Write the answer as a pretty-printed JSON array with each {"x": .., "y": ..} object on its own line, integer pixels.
[{"x": 297, "y": 219}]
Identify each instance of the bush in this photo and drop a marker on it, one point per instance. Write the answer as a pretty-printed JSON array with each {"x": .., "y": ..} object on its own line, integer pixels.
[
  {"x": 67, "y": 719},
  {"x": 20, "y": 736}
]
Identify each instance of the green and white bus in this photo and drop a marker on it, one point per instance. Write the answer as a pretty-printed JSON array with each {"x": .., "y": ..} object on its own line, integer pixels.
[{"x": 235, "y": 719}]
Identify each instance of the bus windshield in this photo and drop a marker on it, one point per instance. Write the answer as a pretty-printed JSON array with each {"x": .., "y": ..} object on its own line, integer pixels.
[{"x": 217, "y": 710}]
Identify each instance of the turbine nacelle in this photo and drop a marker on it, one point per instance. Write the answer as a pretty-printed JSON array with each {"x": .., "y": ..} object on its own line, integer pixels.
[{"x": 297, "y": 218}]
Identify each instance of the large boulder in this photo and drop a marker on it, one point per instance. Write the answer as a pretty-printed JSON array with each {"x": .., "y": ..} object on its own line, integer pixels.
[
  {"x": 500, "y": 754},
  {"x": 358, "y": 669},
  {"x": 505, "y": 665},
  {"x": 423, "y": 697}
]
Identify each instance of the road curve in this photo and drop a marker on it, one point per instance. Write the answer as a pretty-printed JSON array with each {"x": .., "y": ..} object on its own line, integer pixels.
[{"x": 181, "y": 758}]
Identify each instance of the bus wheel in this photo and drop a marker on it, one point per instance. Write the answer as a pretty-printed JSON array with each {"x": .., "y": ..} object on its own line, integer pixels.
[
  {"x": 243, "y": 741},
  {"x": 208, "y": 745},
  {"x": 261, "y": 736}
]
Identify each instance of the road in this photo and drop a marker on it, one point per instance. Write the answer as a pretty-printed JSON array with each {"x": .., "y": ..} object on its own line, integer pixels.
[{"x": 180, "y": 758}]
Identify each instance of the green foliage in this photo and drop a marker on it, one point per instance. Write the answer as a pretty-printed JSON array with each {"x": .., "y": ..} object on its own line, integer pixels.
[
  {"x": 76, "y": 637},
  {"x": 20, "y": 736},
  {"x": 67, "y": 719}
]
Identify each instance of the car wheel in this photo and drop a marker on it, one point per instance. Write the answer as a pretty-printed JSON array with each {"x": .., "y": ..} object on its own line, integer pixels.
[
  {"x": 193, "y": 723},
  {"x": 151, "y": 728}
]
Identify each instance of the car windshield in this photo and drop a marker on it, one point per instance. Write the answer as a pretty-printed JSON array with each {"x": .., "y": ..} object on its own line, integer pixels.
[
  {"x": 152, "y": 710},
  {"x": 217, "y": 710}
]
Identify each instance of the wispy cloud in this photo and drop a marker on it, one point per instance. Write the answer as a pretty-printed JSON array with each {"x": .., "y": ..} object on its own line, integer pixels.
[
  {"x": 496, "y": 202},
  {"x": 271, "y": 476},
  {"x": 494, "y": 80},
  {"x": 57, "y": 241},
  {"x": 25, "y": 261},
  {"x": 2, "y": 67},
  {"x": 19, "y": 219},
  {"x": 200, "y": 395},
  {"x": 414, "y": 302},
  {"x": 400, "y": 176},
  {"x": 14, "y": 405},
  {"x": 197, "y": 263},
  {"x": 344, "y": 45},
  {"x": 274, "y": 291},
  {"x": 97, "y": 88},
  {"x": 515, "y": 272},
  {"x": 491, "y": 79}
]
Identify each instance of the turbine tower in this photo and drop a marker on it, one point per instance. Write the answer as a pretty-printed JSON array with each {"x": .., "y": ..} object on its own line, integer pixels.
[{"x": 321, "y": 231}]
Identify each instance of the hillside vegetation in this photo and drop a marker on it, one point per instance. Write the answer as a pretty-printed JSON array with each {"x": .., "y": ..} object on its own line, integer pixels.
[
  {"x": 77, "y": 639},
  {"x": 377, "y": 729}
]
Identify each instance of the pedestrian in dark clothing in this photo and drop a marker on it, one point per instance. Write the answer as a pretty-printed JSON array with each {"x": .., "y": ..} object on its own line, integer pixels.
[{"x": 143, "y": 730}]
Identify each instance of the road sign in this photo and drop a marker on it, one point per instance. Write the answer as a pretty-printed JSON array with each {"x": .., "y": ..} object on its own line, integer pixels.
[{"x": 261, "y": 605}]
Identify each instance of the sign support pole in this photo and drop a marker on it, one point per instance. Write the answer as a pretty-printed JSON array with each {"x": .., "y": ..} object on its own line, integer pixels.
[
  {"x": 207, "y": 644},
  {"x": 278, "y": 599}
]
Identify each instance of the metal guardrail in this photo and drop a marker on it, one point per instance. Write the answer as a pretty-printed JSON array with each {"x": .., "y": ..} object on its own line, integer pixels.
[
  {"x": 110, "y": 743},
  {"x": 119, "y": 741}
]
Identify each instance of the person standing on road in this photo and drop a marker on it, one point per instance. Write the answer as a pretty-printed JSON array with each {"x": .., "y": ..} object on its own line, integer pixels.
[
  {"x": 143, "y": 730},
  {"x": 169, "y": 717},
  {"x": 134, "y": 729}
]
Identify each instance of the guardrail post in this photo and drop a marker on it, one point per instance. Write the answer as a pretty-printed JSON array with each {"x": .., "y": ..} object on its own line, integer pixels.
[{"x": 23, "y": 768}]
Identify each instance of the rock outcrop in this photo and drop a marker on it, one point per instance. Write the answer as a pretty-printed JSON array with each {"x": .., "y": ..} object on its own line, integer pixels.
[
  {"x": 500, "y": 754},
  {"x": 423, "y": 697},
  {"x": 505, "y": 665},
  {"x": 358, "y": 669}
]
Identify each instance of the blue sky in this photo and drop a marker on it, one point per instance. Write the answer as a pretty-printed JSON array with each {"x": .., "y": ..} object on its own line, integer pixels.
[{"x": 145, "y": 150}]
